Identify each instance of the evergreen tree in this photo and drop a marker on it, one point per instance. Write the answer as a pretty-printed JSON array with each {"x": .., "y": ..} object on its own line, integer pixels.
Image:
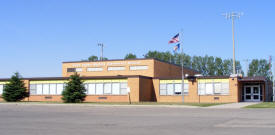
[
  {"x": 15, "y": 89},
  {"x": 74, "y": 91}
]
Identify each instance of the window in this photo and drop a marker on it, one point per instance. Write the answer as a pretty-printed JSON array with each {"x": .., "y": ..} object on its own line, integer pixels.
[
  {"x": 138, "y": 67},
  {"x": 217, "y": 88},
  {"x": 162, "y": 88},
  {"x": 115, "y": 89},
  {"x": 59, "y": 88},
  {"x": 78, "y": 70},
  {"x": 70, "y": 69},
  {"x": 178, "y": 89},
  {"x": 116, "y": 68},
  {"x": 94, "y": 69},
  {"x": 1, "y": 89},
  {"x": 91, "y": 89},
  {"x": 99, "y": 89},
  {"x": 209, "y": 88},
  {"x": 123, "y": 88},
  {"x": 32, "y": 89},
  {"x": 46, "y": 89},
  {"x": 173, "y": 88},
  {"x": 39, "y": 89},
  {"x": 213, "y": 88},
  {"x": 170, "y": 89},
  {"x": 107, "y": 88},
  {"x": 52, "y": 89},
  {"x": 201, "y": 88}
]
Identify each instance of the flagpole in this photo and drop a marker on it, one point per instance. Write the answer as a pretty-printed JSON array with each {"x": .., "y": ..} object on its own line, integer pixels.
[{"x": 182, "y": 73}]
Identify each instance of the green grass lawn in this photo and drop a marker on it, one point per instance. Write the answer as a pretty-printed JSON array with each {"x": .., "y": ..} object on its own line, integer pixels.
[
  {"x": 262, "y": 105},
  {"x": 156, "y": 103},
  {"x": 125, "y": 103}
]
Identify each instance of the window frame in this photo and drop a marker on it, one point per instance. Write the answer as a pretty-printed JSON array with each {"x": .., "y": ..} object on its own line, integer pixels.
[{"x": 165, "y": 90}]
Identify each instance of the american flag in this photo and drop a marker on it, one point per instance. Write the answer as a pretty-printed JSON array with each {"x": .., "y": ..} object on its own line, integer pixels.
[
  {"x": 175, "y": 39},
  {"x": 177, "y": 47}
]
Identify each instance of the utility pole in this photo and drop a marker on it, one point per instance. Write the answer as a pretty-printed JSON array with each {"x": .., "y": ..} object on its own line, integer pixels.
[
  {"x": 233, "y": 16},
  {"x": 272, "y": 74},
  {"x": 182, "y": 73},
  {"x": 101, "y": 45}
]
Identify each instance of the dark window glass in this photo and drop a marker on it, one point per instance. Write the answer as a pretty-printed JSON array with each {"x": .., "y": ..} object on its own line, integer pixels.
[
  {"x": 256, "y": 97},
  {"x": 70, "y": 69},
  {"x": 248, "y": 90},
  {"x": 255, "y": 90}
]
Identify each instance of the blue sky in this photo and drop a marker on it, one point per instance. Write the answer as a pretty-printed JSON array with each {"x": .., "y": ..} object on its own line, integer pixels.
[{"x": 36, "y": 36}]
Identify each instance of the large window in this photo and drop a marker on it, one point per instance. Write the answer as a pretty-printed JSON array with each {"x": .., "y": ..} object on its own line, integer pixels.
[
  {"x": 173, "y": 88},
  {"x": 70, "y": 69},
  {"x": 138, "y": 67},
  {"x": 95, "y": 69},
  {"x": 46, "y": 89},
  {"x": 92, "y": 88},
  {"x": 74, "y": 69},
  {"x": 1, "y": 89},
  {"x": 78, "y": 69},
  {"x": 213, "y": 88},
  {"x": 116, "y": 68},
  {"x": 107, "y": 88}
]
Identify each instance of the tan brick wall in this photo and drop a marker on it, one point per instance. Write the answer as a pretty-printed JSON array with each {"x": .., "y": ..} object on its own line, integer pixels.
[
  {"x": 44, "y": 98},
  {"x": 133, "y": 83},
  {"x": 163, "y": 69},
  {"x": 193, "y": 96},
  {"x": 105, "y": 64},
  {"x": 154, "y": 70},
  {"x": 107, "y": 98}
]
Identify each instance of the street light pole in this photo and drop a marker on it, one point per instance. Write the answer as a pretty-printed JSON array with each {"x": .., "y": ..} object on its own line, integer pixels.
[
  {"x": 101, "y": 45},
  {"x": 233, "y": 16},
  {"x": 234, "y": 63}
]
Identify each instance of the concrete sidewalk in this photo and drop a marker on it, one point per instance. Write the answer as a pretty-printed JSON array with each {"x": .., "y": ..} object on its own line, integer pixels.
[{"x": 233, "y": 105}]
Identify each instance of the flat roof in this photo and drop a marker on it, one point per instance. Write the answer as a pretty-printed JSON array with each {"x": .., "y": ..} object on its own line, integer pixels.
[
  {"x": 253, "y": 78},
  {"x": 131, "y": 60},
  {"x": 199, "y": 77},
  {"x": 84, "y": 77}
]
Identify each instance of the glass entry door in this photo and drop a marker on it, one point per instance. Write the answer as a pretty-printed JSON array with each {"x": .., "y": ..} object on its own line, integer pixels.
[{"x": 252, "y": 93}]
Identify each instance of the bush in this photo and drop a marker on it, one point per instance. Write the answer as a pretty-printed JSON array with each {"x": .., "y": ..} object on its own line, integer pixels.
[
  {"x": 15, "y": 89},
  {"x": 74, "y": 90}
]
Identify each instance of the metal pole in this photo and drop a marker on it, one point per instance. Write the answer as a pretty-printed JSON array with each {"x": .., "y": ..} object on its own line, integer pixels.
[
  {"x": 234, "y": 66},
  {"x": 273, "y": 81},
  {"x": 101, "y": 52},
  {"x": 182, "y": 73},
  {"x": 101, "y": 45},
  {"x": 232, "y": 16}
]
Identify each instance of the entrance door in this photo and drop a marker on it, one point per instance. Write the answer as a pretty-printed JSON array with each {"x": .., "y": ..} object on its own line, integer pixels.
[{"x": 252, "y": 93}]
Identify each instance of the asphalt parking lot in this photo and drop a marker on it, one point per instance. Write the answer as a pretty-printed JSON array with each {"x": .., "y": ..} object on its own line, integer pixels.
[{"x": 125, "y": 120}]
